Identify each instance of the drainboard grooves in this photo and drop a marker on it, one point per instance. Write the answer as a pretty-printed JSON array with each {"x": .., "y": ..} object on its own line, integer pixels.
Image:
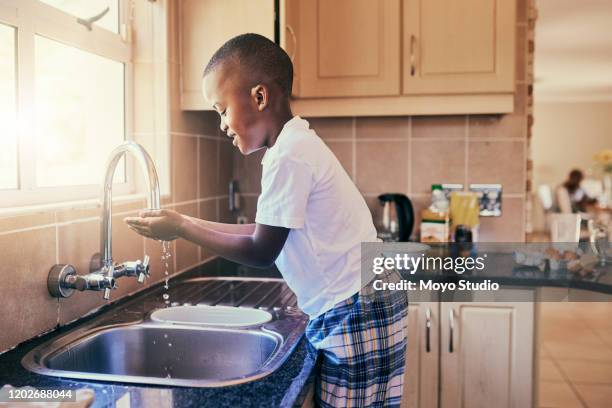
[
  {"x": 285, "y": 301},
  {"x": 249, "y": 293},
  {"x": 188, "y": 291},
  {"x": 213, "y": 291},
  {"x": 228, "y": 292},
  {"x": 273, "y": 288},
  {"x": 195, "y": 296},
  {"x": 273, "y": 300}
]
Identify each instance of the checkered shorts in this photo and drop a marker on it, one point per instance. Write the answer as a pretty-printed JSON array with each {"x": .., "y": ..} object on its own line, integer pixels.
[{"x": 361, "y": 347}]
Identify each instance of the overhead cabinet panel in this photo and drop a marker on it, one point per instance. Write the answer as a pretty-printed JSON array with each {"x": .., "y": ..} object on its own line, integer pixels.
[
  {"x": 455, "y": 47},
  {"x": 348, "y": 47}
]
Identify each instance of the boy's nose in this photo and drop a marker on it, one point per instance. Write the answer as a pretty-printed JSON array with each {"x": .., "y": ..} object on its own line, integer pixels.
[{"x": 223, "y": 127}]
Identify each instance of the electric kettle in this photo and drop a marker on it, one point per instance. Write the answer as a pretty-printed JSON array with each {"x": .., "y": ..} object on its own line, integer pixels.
[{"x": 397, "y": 217}]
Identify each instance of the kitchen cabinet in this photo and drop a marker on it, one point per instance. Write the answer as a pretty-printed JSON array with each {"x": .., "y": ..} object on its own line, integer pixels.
[
  {"x": 204, "y": 26},
  {"x": 479, "y": 354},
  {"x": 422, "y": 356},
  {"x": 454, "y": 47},
  {"x": 486, "y": 354},
  {"x": 345, "y": 47},
  {"x": 455, "y": 57}
]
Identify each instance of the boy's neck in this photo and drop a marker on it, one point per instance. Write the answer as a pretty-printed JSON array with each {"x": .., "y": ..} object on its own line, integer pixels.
[{"x": 280, "y": 118}]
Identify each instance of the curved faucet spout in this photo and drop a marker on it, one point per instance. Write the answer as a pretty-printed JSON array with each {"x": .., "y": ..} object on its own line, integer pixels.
[{"x": 153, "y": 201}]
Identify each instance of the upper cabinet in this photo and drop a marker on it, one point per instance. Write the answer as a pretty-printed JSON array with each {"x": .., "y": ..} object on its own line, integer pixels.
[
  {"x": 205, "y": 25},
  {"x": 346, "y": 47},
  {"x": 369, "y": 57},
  {"x": 454, "y": 47}
]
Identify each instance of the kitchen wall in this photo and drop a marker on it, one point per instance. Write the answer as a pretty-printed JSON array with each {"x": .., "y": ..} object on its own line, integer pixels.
[
  {"x": 566, "y": 136},
  {"x": 200, "y": 168},
  {"x": 408, "y": 154}
]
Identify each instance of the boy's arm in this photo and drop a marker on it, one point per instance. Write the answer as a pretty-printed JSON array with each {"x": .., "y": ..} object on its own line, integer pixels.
[
  {"x": 240, "y": 229},
  {"x": 259, "y": 249}
]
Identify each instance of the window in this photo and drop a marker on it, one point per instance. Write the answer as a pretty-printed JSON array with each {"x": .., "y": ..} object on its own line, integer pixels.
[{"x": 65, "y": 72}]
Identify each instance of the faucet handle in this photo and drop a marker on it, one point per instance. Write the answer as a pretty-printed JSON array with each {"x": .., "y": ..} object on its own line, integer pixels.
[{"x": 144, "y": 269}]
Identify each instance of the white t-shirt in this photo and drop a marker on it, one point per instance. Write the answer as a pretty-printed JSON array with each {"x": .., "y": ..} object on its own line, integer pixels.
[{"x": 304, "y": 188}]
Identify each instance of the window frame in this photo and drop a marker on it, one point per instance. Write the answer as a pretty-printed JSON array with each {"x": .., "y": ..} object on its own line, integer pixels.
[{"x": 30, "y": 18}]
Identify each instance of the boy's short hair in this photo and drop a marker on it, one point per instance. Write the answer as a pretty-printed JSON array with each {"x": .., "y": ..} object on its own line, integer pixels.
[{"x": 259, "y": 56}]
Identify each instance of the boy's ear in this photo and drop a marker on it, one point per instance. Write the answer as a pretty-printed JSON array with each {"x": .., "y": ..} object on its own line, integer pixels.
[{"x": 260, "y": 96}]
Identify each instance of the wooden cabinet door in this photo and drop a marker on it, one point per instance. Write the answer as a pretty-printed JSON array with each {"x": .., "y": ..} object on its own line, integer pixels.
[
  {"x": 486, "y": 354},
  {"x": 422, "y": 356},
  {"x": 465, "y": 46},
  {"x": 344, "y": 47},
  {"x": 205, "y": 26}
]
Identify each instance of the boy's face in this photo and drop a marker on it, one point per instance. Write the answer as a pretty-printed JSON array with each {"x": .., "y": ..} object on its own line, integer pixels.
[{"x": 239, "y": 107}]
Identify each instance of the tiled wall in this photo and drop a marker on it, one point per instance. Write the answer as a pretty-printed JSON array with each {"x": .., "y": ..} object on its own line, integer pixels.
[
  {"x": 408, "y": 154},
  {"x": 200, "y": 172}
]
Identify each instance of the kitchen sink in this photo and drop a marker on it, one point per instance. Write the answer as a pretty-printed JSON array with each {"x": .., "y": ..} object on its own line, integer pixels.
[{"x": 126, "y": 345}]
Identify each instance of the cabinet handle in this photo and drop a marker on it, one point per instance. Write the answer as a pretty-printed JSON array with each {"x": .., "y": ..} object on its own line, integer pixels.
[
  {"x": 428, "y": 330},
  {"x": 451, "y": 320},
  {"x": 412, "y": 56},
  {"x": 294, "y": 39}
]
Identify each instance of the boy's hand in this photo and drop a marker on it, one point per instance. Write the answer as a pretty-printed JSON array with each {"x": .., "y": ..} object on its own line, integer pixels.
[{"x": 162, "y": 225}]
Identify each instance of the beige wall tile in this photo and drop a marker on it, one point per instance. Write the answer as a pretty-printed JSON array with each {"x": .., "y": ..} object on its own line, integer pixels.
[
  {"x": 510, "y": 125},
  {"x": 595, "y": 395},
  {"x": 438, "y": 126},
  {"x": 507, "y": 228},
  {"x": 332, "y": 128},
  {"x": 557, "y": 394},
  {"x": 28, "y": 309},
  {"x": 248, "y": 207},
  {"x": 587, "y": 371},
  {"x": 225, "y": 215},
  {"x": 77, "y": 244},
  {"x": 247, "y": 170},
  {"x": 498, "y": 162},
  {"x": 382, "y": 166},
  {"x": 344, "y": 152},
  {"x": 549, "y": 371},
  {"x": 18, "y": 222},
  {"x": 187, "y": 254},
  {"x": 207, "y": 211},
  {"x": 382, "y": 127},
  {"x": 226, "y": 166},
  {"x": 209, "y": 167},
  {"x": 184, "y": 167},
  {"x": 435, "y": 162}
]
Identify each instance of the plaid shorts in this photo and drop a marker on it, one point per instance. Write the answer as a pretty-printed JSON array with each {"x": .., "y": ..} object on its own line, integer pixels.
[{"x": 361, "y": 346}]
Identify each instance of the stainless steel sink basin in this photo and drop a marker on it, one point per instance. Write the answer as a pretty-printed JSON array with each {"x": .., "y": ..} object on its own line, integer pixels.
[{"x": 125, "y": 345}]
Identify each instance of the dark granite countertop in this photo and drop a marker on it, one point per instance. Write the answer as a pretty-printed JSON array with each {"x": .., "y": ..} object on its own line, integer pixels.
[
  {"x": 501, "y": 268},
  {"x": 284, "y": 387}
]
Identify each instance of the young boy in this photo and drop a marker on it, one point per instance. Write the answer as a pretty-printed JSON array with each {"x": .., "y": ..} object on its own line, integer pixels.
[{"x": 310, "y": 221}]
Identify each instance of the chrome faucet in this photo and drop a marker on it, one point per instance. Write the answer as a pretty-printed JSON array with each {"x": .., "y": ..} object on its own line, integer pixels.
[{"x": 63, "y": 279}]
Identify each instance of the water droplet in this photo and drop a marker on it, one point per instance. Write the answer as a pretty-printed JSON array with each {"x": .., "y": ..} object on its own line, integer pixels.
[
  {"x": 169, "y": 344},
  {"x": 166, "y": 296},
  {"x": 165, "y": 336}
]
